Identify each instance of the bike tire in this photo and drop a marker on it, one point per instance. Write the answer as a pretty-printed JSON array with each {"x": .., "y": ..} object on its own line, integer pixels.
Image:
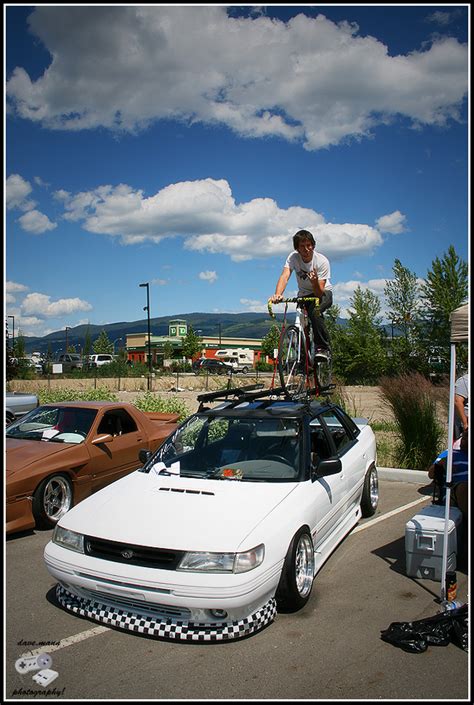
[
  {"x": 292, "y": 361},
  {"x": 323, "y": 374}
]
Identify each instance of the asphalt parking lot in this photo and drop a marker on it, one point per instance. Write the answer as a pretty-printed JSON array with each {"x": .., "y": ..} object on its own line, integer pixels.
[{"x": 329, "y": 650}]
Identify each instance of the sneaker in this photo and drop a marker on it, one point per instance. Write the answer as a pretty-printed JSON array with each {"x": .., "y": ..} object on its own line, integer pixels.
[{"x": 321, "y": 355}]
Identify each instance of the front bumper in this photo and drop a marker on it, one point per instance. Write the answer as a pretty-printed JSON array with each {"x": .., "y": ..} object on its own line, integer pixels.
[{"x": 167, "y": 628}]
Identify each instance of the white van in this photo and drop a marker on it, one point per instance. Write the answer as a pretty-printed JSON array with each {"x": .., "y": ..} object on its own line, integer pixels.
[{"x": 241, "y": 359}]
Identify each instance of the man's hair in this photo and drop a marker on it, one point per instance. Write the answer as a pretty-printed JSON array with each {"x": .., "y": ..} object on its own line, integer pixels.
[{"x": 303, "y": 235}]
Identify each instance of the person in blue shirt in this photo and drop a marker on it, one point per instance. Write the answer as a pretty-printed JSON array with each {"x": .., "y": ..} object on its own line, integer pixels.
[{"x": 459, "y": 478}]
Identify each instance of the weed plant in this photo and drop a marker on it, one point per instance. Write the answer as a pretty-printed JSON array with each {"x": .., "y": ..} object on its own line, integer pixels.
[{"x": 413, "y": 401}]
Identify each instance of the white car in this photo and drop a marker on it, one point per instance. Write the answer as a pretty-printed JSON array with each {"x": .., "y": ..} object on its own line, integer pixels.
[
  {"x": 230, "y": 519},
  {"x": 100, "y": 359}
]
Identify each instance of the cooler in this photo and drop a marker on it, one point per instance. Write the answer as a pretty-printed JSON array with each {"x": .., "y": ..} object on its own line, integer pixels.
[{"x": 424, "y": 539}]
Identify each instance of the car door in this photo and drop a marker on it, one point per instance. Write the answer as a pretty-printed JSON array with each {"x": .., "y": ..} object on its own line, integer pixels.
[
  {"x": 345, "y": 436},
  {"x": 119, "y": 456},
  {"x": 329, "y": 491}
]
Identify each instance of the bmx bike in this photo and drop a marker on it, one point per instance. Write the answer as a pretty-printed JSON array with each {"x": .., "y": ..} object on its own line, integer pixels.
[{"x": 300, "y": 374}]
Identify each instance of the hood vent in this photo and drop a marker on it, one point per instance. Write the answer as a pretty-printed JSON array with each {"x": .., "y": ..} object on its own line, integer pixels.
[{"x": 185, "y": 491}]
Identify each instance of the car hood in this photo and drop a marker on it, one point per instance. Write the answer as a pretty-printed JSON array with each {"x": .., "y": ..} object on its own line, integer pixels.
[
  {"x": 178, "y": 513},
  {"x": 22, "y": 454}
]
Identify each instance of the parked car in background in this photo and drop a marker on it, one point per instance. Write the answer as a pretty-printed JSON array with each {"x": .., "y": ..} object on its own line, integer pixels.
[
  {"x": 214, "y": 366},
  {"x": 60, "y": 453},
  {"x": 70, "y": 361},
  {"x": 18, "y": 404},
  {"x": 230, "y": 519},
  {"x": 98, "y": 360}
]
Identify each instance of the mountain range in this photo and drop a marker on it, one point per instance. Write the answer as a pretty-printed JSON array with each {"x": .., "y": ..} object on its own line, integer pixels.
[{"x": 241, "y": 325}]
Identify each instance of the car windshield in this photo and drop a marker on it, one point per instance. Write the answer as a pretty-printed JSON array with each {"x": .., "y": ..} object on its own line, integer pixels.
[
  {"x": 55, "y": 424},
  {"x": 230, "y": 448}
]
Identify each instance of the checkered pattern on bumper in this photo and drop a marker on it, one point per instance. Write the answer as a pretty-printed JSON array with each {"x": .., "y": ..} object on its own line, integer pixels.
[{"x": 167, "y": 628}]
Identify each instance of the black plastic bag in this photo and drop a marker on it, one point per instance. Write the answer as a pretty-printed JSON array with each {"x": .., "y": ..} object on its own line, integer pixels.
[{"x": 440, "y": 630}]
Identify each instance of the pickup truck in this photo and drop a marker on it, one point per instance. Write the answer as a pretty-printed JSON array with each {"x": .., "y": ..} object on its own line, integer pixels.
[{"x": 18, "y": 404}]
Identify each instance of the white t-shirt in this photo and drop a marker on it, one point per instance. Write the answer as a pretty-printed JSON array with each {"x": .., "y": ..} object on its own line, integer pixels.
[
  {"x": 319, "y": 262},
  {"x": 462, "y": 389}
]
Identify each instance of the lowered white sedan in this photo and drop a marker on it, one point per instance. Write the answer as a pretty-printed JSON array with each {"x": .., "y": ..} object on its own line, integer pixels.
[{"x": 226, "y": 523}]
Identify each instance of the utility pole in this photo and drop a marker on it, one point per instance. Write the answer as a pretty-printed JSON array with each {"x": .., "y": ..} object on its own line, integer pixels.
[{"x": 147, "y": 309}]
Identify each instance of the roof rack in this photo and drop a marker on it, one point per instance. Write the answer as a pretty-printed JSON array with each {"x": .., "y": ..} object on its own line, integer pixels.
[
  {"x": 223, "y": 394},
  {"x": 257, "y": 391}
]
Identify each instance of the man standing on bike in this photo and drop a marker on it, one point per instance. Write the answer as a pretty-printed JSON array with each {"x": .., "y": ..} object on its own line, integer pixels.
[{"x": 313, "y": 273}]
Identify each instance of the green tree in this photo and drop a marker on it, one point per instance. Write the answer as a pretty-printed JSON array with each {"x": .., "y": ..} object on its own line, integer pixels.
[
  {"x": 87, "y": 342},
  {"x": 168, "y": 350},
  {"x": 102, "y": 344},
  {"x": 270, "y": 341},
  {"x": 445, "y": 288},
  {"x": 362, "y": 357},
  {"x": 11, "y": 366},
  {"x": 403, "y": 299},
  {"x": 192, "y": 343},
  {"x": 20, "y": 349}
]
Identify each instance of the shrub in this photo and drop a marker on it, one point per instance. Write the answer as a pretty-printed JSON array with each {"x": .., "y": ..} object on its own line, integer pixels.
[
  {"x": 53, "y": 396},
  {"x": 149, "y": 402},
  {"x": 413, "y": 400}
]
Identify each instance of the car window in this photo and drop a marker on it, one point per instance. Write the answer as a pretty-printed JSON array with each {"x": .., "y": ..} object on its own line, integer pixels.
[
  {"x": 54, "y": 423},
  {"x": 117, "y": 422},
  {"x": 220, "y": 447},
  {"x": 339, "y": 434}
]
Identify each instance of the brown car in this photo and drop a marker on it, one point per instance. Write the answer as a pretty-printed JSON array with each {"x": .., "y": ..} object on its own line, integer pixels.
[{"x": 58, "y": 454}]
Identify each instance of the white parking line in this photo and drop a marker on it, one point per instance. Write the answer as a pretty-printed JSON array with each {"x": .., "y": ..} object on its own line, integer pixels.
[
  {"x": 69, "y": 641},
  {"x": 368, "y": 524}
]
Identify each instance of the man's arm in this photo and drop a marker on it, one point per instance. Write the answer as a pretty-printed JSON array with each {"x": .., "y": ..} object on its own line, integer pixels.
[
  {"x": 459, "y": 406},
  {"x": 281, "y": 285}
]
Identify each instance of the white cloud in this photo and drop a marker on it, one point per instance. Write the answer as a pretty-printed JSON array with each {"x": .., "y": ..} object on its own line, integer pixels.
[
  {"x": 42, "y": 305},
  {"x": 36, "y": 222},
  {"x": 309, "y": 79},
  {"x": 17, "y": 189},
  {"x": 393, "y": 223},
  {"x": 442, "y": 18},
  {"x": 209, "y": 277},
  {"x": 206, "y": 215},
  {"x": 14, "y": 287},
  {"x": 344, "y": 291},
  {"x": 254, "y": 305}
]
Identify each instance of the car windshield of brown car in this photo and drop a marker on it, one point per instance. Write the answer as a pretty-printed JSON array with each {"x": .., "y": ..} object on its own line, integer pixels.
[{"x": 54, "y": 424}]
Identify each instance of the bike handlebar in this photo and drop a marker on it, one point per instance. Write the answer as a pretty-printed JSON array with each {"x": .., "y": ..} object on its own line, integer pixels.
[{"x": 295, "y": 300}]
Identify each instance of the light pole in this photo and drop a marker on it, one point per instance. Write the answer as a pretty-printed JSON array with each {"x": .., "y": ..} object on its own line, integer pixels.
[
  {"x": 147, "y": 309},
  {"x": 115, "y": 341},
  {"x": 13, "y": 336},
  {"x": 67, "y": 328}
]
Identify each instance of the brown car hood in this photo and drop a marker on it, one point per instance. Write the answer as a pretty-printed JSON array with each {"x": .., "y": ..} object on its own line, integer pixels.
[{"x": 21, "y": 454}]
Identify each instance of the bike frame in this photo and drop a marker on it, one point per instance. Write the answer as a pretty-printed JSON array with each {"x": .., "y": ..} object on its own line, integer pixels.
[{"x": 296, "y": 341}]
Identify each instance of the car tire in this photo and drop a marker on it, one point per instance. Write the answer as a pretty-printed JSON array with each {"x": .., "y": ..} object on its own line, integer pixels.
[
  {"x": 370, "y": 494},
  {"x": 51, "y": 500},
  {"x": 245, "y": 370},
  {"x": 296, "y": 580}
]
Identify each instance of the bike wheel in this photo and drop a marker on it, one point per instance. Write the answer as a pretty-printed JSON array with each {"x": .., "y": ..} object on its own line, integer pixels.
[
  {"x": 292, "y": 361},
  {"x": 323, "y": 374}
]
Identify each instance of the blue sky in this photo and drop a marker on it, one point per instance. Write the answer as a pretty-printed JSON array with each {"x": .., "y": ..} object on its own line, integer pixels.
[{"x": 184, "y": 146}]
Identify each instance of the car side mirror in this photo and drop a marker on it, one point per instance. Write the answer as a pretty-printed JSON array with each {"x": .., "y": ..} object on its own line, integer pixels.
[
  {"x": 331, "y": 466},
  {"x": 144, "y": 455},
  {"x": 104, "y": 438}
]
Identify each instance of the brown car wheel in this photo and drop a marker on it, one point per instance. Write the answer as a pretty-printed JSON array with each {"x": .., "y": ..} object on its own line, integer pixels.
[{"x": 51, "y": 500}]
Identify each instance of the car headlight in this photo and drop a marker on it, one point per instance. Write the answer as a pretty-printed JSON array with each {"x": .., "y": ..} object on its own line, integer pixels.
[
  {"x": 207, "y": 562},
  {"x": 68, "y": 539}
]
